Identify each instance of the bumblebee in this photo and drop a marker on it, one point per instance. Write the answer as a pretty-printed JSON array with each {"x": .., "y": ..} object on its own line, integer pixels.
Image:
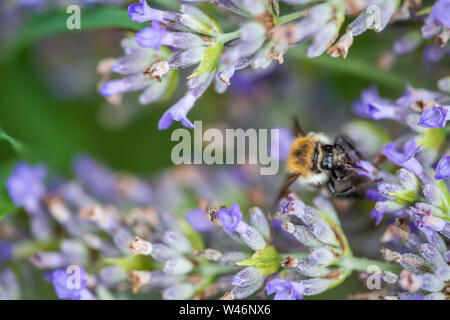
[{"x": 315, "y": 160}]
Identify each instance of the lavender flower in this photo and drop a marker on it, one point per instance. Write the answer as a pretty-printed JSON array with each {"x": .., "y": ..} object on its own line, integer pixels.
[
  {"x": 285, "y": 289},
  {"x": 26, "y": 186},
  {"x": 70, "y": 286},
  {"x": 443, "y": 168}
]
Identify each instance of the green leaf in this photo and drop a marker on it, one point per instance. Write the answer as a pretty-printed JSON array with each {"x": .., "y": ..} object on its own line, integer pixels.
[
  {"x": 266, "y": 260},
  {"x": 53, "y": 23},
  {"x": 130, "y": 263},
  {"x": 209, "y": 60},
  {"x": 193, "y": 236},
  {"x": 433, "y": 138},
  {"x": 6, "y": 165}
]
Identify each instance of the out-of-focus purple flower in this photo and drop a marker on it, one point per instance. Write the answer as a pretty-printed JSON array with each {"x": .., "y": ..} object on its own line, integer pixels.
[
  {"x": 368, "y": 96},
  {"x": 412, "y": 95},
  {"x": 230, "y": 218},
  {"x": 434, "y": 53},
  {"x": 440, "y": 13},
  {"x": 436, "y": 117},
  {"x": 284, "y": 144},
  {"x": 26, "y": 186},
  {"x": 443, "y": 168},
  {"x": 285, "y": 289},
  {"x": 408, "y": 43},
  {"x": 6, "y": 251},
  {"x": 198, "y": 220},
  {"x": 377, "y": 215},
  {"x": 97, "y": 178},
  {"x": 69, "y": 286}
]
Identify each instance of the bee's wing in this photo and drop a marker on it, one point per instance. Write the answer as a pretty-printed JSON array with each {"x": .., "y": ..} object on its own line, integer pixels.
[
  {"x": 297, "y": 128},
  {"x": 288, "y": 181}
]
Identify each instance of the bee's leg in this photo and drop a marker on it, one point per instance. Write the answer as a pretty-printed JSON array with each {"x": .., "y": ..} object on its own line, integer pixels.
[
  {"x": 344, "y": 140},
  {"x": 350, "y": 191}
]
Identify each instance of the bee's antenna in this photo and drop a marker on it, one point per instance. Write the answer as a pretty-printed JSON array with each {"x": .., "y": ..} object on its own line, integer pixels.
[{"x": 297, "y": 128}]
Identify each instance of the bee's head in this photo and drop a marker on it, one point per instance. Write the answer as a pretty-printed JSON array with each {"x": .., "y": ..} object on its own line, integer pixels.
[{"x": 306, "y": 153}]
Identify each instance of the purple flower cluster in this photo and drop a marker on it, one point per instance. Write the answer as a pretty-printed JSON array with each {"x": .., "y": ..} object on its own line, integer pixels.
[
  {"x": 422, "y": 111},
  {"x": 424, "y": 257},
  {"x": 177, "y": 40}
]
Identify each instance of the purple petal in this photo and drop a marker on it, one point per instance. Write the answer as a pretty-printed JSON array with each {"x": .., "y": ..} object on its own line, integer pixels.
[
  {"x": 443, "y": 168},
  {"x": 433, "y": 118}
]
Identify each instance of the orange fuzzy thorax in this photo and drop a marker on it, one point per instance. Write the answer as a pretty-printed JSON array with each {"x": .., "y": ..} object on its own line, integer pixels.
[{"x": 301, "y": 156}]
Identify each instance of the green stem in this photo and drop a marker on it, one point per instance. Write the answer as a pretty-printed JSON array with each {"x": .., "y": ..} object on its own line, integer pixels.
[
  {"x": 352, "y": 263},
  {"x": 361, "y": 264},
  {"x": 290, "y": 17},
  {"x": 227, "y": 37}
]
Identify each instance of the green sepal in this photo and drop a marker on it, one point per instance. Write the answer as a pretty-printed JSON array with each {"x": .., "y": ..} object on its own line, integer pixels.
[
  {"x": 405, "y": 197},
  {"x": 209, "y": 60},
  {"x": 266, "y": 260},
  {"x": 433, "y": 138},
  {"x": 193, "y": 236},
  {"x": 131, "y": 262},
  {"x": 446, "y": 194}
]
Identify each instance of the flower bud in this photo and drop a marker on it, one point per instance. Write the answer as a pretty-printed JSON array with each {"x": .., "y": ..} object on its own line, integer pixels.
[
  {"x": 177, "y": 241},
  {"x": 247, "y": 277},
  {"x": 229, "y": 259},
  {"x": 430, "y": 253},
  {"x": 309, "y": 269},
  {"x": 178, "y": 266},
  {"x": 321, "y": 256},
  {"x": 139, "y": 246},
  {"x": 302, "y": 234},
  {"x": 161, "y": 252},
  {"x": 391, "y": 255},
  {"x": 315, "y": 286},
  {"x": 209, "y": 254},
  {"x": 414, "y": 263},
  {"x": 182, "y": 291},
  {"x": 324, "y": 233},
  {"x": 253, "y": 238},
  {"x": 389, "y": 277},
  {"x": 259, "y": 221},
  {"x": 434, "y": 195},
  {"x": 429, "y": 282}
]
